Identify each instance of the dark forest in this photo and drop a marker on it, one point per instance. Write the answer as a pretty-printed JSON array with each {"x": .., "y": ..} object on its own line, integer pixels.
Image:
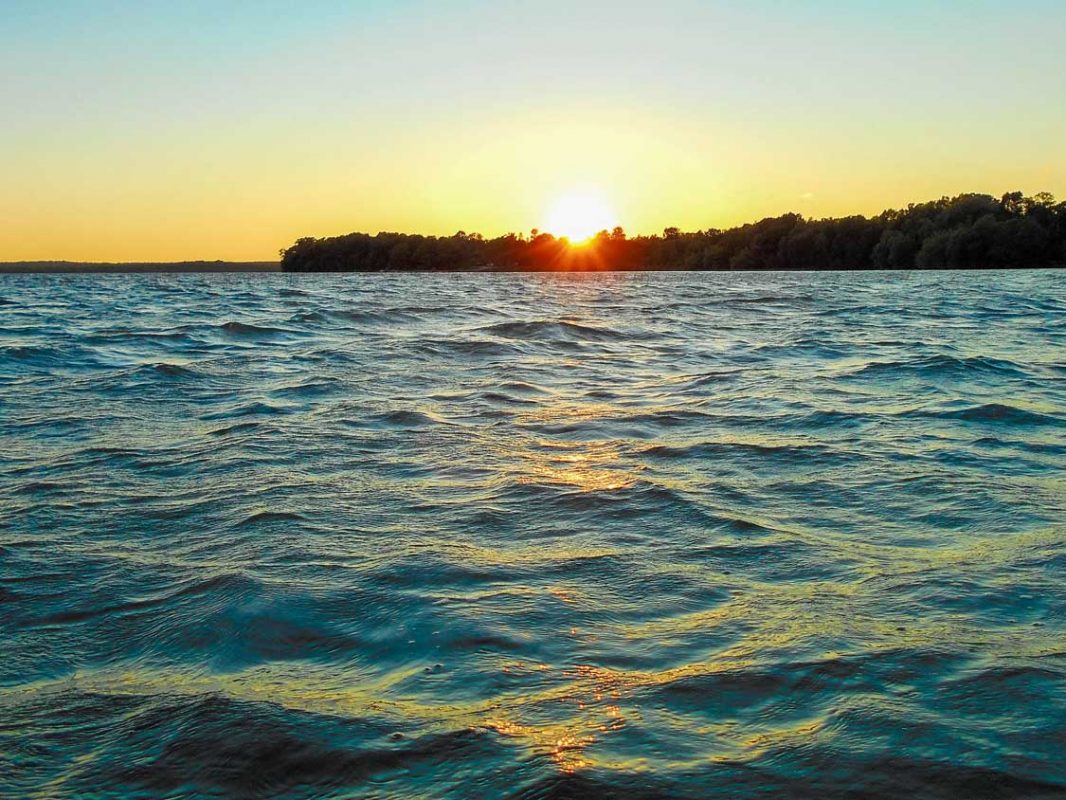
[{"x": 970, "y": 231}]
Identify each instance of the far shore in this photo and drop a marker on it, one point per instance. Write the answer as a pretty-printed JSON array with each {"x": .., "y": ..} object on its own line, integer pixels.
[{"x": 74, "y": 267}]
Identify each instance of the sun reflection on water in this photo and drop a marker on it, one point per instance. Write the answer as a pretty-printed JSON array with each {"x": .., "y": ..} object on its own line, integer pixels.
[{"x": 587, "y": 467}]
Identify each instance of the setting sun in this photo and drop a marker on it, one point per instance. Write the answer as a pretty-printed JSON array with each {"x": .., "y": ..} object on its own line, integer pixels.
[{"x": 579, "y": 217}]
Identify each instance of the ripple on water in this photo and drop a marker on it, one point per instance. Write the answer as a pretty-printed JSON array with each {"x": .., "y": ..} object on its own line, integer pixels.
[{"x": 533, "y": 536}]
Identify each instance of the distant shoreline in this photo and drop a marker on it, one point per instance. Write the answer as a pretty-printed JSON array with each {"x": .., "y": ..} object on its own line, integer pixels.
[
  {"x": 250, "y": 267},
  {"x": 78, "y": 268}
]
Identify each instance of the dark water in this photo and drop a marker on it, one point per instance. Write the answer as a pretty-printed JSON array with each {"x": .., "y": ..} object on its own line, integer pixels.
[{"x": 487, "y": 536}]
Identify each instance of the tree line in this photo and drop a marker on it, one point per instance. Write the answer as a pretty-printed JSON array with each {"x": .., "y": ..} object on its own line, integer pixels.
[{"x": 970, "y": 231}]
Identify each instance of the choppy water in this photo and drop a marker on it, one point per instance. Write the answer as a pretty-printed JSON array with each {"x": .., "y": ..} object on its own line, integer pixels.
[{"x": 484, "y": 536}]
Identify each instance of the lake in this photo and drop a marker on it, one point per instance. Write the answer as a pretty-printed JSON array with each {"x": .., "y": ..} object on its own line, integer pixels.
[{"x": 686, "y": 535}]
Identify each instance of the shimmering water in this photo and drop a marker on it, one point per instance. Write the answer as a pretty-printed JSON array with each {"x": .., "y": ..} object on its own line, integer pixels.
[{"x": 485, "y": 536}]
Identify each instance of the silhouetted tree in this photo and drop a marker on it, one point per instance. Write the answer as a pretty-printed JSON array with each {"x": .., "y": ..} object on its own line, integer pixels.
[{"x": 969, "y": 231}]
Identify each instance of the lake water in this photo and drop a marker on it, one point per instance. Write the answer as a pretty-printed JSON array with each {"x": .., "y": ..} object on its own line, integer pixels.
[{"x": 534, "y": 536}]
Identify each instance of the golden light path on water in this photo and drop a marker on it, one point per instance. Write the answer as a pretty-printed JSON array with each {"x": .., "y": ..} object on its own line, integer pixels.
[{"x": 575, "y": 707}]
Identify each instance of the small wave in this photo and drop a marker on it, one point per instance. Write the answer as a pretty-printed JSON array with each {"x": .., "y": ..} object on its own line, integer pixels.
[
  {"x": 221, "y": 747},
  {"x": 248, "y": 410},
  {"x": 1000, "y": 414},
  {"x": 466, "y": 347},
  {"x": 552, "y": 330},
  {"x": 308, "y": 316},
  {"x": 761, "y": 299},
  {"x": 671, "y": 418},
  {"x": 807, "y": 348},
  {"x": 383, "y": 317},
  {"x": 310, "y": 388},
  {"x": 241, "y": 427},
  {"x": 1002, "y": 684},
  {"x": 407, "y": 419},
  {"x": 773, "y": 559},
  {"x": 438, "y": 571},
  {"x": 36, "y": 487},
  {"x": 522, "y": 387},
  {"x": 219, "y": 585},
  {"x": 501, "y": 397},
  {"x": 722, "y": 694},
  {"x": 270, "y": 516},
  {"x": 168, "y": 370},
  {"x": 602, "y": 394},
  {"x": 178, "y": 335},
  {"x": 940, "y": 365},
  {"x": 645, "y": 425},
  {"x": 608, "y": 494},
  {"x": 712, "y": 378},
  {"x": 248, "y": 329},
  {"x": 223, "y": 583},
  {"x": 105, "y": 452},
  {"x": 826, "y": 419},
  {"x": 32, "y": 353},
  {"x": 786, "y": 452}
]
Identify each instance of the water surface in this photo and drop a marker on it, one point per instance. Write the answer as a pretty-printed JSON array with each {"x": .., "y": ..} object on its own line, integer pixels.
[{"x": 533, "y": 536}]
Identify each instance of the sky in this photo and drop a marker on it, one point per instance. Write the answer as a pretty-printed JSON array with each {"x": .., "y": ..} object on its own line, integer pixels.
[{"x": 156, "y": 131}]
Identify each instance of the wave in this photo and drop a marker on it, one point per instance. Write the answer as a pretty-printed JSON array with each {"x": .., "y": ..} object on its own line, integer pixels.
[
  {"x": 36, "y": 487},
  {"x": 764, "y": 299},
  {"x": 405, "y": 419},
  {"x": 670, "y": 418},
  {"x": 789, "y": 453},
  {"x": 522, "y": 387},
  {"x": 309, "y": 388},
  {"x": 242, "y": 427},
  {"x": 481, "y": 348},
  {"x": 502, "y": 397},
  {"x": 248, "y": 329},
  {"x": 271, "y": 516},
  {"x": 941, "y": 365},
  {"x": 34, "y": 354},
  {"x": 258, "y": 409},
  {"x": 1001, "y": 414},
  {"x": 712, "y": 379},
  {"x": 801, "y": 776},
  {"x": 215, "y": 586},
  {"x": 166, "y": 370},
  {"x": 258, "y": 750},
  {"x": 553, "y": 330},
  {"x": 304, "y": 317}
]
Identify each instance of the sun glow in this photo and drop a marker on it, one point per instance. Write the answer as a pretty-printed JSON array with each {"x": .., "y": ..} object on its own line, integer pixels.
[{"x": 579, "y": 217}]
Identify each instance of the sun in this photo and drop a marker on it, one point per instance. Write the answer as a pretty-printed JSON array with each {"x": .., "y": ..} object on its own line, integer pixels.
[{"x": 579, "y": 217}]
